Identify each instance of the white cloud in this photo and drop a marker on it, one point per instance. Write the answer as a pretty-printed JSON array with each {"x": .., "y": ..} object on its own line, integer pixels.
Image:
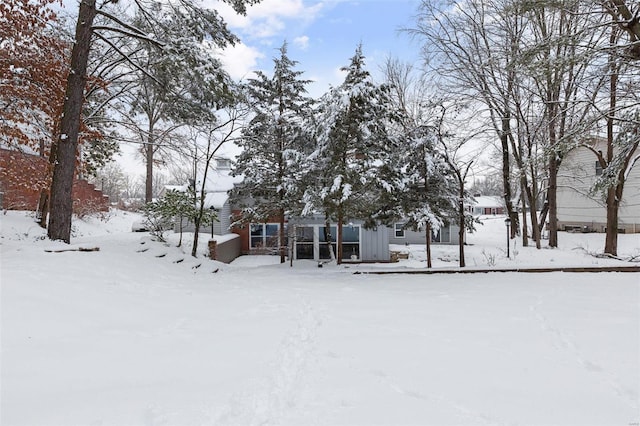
[
  {"x": 302, "y": 42},
  {"x": 339, "y": 74},
  {"x": 268, "y": 18},
  {"x": 284, "y": 8},
  {"x": 240, "y": 60}
]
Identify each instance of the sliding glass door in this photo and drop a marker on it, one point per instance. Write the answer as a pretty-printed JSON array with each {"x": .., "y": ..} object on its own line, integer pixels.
[{"x": 313, "y": 242}]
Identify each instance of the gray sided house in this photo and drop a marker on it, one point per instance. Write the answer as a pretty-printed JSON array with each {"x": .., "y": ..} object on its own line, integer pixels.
[
  {"x": 358, "y": 244},
  {"x": 401, "y": 234}
]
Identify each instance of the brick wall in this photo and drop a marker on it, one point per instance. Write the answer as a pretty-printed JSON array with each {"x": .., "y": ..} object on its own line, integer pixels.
[
  {"x": 23, "y": 176},
  {"x": 243, "y": 231}
]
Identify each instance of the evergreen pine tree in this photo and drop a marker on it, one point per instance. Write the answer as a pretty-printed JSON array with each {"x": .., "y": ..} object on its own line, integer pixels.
[
  {"x": 352, "y": 164},
  {"x": 273, "y": 146},
  {"x": 427, "y": 193}
]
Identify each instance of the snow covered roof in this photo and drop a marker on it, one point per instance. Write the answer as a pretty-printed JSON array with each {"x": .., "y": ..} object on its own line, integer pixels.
[
  {"x": 488, "y": 201},
  {"x": 215, "y": 199},
  {"x": 219, "y": 181},
  {"x": 179, "y": 188}
]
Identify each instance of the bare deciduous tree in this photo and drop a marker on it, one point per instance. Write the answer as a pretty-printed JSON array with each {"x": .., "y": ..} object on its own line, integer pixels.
[{"x": 197, "y": 24}]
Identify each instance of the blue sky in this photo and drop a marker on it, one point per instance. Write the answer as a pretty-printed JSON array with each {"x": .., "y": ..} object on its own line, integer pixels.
[{"x": 322, "y": 36}]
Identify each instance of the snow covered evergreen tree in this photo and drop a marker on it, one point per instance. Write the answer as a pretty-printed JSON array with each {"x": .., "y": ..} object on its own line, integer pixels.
[
  {"x": 352, "y": 164},
  {"x": 274, "y": 146},
  {"x": 427, "y": 194}
]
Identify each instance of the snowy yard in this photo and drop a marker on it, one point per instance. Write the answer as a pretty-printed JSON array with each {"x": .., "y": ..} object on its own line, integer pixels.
[{"x": 123, "y": 336}]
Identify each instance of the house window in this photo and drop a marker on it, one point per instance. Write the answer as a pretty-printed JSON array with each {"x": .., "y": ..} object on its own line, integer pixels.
[
  {"x": 398, "y": 230},
  {"x": 351, "y": 242},
  {"x": 311, "y": 242},
  {"x": 443, "y": 235},
  {"x": 264, "y": 235},
  {"x": 598, "y": 168},
  {"x": 304, "y": 242},
  {"x": 223, "y": 163},
  {"x": 323, "y": 247}
]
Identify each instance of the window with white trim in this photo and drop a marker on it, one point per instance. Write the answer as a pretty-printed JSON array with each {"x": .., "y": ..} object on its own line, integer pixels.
[{"x": 398, "y": 230}]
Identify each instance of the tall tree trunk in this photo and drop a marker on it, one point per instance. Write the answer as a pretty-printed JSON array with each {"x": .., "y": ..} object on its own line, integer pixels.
[
  {"x": 149, "y": 151},
  {"x": 613, "y": 202},
  {"x": 533, "y": 215},
  {"x": 339, "y": 236},
  {"x": 552, "y": 190},
  {"x": 506, "y": 176},
  {"x": 196, "y": 234},
  {"x": 198, "y": 219},
  {"x": 462, "y": 226},
  {"x": 552, "y": 201},
  {"x": 611, "y": 238},
  {"x": 43, "y": 203},
  {"x": 65, "y": 166},
  {"x": 523, "y": 190},
  {"x": 532, "y": 195},
  {"x": 543, "y": 215},
  {"x": 281, "y": 168},
  {"x": 281, "y": 247},
  {"x": 428, "y": 238}
]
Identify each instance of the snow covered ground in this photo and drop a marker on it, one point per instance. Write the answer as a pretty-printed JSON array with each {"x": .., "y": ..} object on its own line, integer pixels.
[{"x": 138, "y": 333}]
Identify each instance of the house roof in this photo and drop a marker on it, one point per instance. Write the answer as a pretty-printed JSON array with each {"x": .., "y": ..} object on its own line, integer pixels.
[
  {"x": 217, "y": 186},
  {"x": 488, "y": 201},
  {"x": 179, "y": 188},
  {"x": 219, "y": 181},
  {"x": 215, "y": 200}
]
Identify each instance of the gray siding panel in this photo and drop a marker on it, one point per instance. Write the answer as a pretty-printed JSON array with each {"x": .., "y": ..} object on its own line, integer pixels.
[
  {"x": 220, "y": 227},
  {"x": 375, "y": 244},
  {"x": 419, "y": 237}
]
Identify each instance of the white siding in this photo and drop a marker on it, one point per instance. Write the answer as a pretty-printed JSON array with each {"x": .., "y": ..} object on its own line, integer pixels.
[
  {"x": 575, "y": 205},
  {"x": 221, "y": 226}
]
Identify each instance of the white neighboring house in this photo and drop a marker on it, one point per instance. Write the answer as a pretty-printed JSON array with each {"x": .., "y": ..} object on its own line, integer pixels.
[
  {"x": 486, "y": 205},
  {"x": 577, "y": 210}
]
